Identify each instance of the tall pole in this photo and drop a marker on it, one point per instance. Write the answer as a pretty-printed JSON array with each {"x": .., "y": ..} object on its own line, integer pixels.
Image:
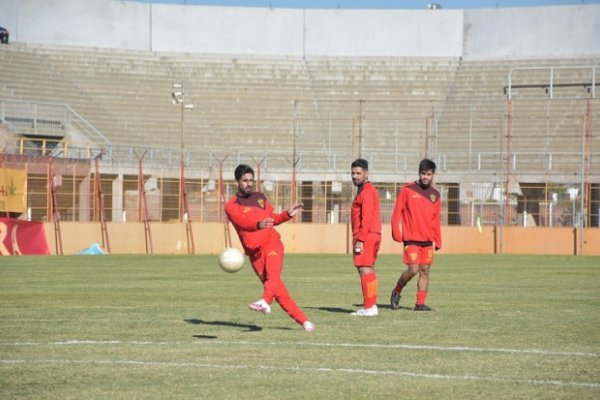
[
  {"x": 258, "y": 178},
  {"x": 181, "y": 167},
  {"x": 222, "y": 216},
  {"x": 293, "y": 194},
  {"x": 507, "y": 204},
  {"x": 184, "y": 211},
  {"x": 361, "y": 118}
]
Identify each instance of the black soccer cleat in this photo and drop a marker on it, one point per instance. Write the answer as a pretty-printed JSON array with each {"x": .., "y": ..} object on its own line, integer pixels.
[
  {"x": 422, "y": 307},
  {"x": 395, "y": 300}
]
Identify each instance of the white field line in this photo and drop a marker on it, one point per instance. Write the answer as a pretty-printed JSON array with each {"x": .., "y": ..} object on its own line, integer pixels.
[
  {"x": 300, "y": 369},
  {"x": 76, "y": 342}
]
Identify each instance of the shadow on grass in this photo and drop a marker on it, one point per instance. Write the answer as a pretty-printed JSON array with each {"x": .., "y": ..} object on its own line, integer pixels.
[
  {"x": 246, "y": 327},
  {"x": 205, "y": 337},
  {"x": 348, "y": 311},
  {"x": 331, "y": 309},
  {"x": 390, "y": 307}
]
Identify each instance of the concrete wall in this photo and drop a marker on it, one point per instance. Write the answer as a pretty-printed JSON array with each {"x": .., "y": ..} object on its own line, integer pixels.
[
  {"x": 532, "y": 32},
  {"x": 209, "y": 238},
  {"x": 90, "y": 23},
  {"x": 389, "y": 33},
  {"x": 522, "y": 32}
]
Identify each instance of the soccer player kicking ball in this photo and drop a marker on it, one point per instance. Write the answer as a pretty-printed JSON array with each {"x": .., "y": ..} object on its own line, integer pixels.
[
  {"x": 416, "y": 222},
  {"x": 253, "y": 218},
  {"x": 366, "y": 235}
]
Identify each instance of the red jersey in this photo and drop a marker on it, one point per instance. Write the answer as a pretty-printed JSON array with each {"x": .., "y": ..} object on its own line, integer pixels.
[
  {"x": 246, "y": 212},
  {"x": 365, "y": 212},
  {"x": 417, "y": 211}
]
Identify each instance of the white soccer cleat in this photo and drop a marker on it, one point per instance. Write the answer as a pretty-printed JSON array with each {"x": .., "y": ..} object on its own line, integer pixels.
[
  {"x": 366, "y": 312},
  {"x": 308, "y": 326},
  {"x": 260, "y": 306}
]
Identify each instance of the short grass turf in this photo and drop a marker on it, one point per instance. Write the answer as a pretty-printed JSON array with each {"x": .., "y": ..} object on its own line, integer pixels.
[{"x": 177, "y": 327}]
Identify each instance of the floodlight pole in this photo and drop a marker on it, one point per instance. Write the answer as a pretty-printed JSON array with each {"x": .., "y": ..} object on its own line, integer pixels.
[
  {"x": 293, "y": 191},
  {"x": 178, "y": 97},
  {"x": 507, "y": 198}
]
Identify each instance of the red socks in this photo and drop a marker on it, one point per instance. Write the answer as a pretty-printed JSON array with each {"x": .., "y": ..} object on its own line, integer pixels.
[
  {"x": 421, "y": 297},
  {"x": 398, "y": 288},
  {"x": 368, "y": 284}
]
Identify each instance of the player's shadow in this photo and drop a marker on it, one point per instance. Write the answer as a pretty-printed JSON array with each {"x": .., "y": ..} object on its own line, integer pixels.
[
  {"x": 397, "y": 309},
  {"x": 332, "y": 309},
  {"x": 387, "y": 306},
  {"x": 205, "y": 337},
  {"x": 245, "y": 327}
]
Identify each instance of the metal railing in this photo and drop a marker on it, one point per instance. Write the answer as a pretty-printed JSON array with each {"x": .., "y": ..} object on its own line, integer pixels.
[{"x": 47, "y": 120}]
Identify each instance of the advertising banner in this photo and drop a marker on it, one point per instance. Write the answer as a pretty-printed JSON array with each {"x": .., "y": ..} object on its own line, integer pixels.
[
  {"x": 13, "y": 190},
  {"x": 22, "y": 238}
]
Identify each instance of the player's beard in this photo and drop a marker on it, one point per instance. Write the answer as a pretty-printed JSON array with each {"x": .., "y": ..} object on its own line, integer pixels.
[
  {"x": 245, "y": 191},
  {"x": 424, "y": 185}
]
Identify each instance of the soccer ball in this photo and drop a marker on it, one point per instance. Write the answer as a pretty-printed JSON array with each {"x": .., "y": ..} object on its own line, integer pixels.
[{"x": 231, "y": 260}]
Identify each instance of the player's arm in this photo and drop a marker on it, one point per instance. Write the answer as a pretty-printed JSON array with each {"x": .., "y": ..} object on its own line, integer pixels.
[
  {"x": 436, "y": 228},
  {"x": 397, "y": 217},
  {"x": 367, "y": 215},
  {"x": 286, "y": 215}
]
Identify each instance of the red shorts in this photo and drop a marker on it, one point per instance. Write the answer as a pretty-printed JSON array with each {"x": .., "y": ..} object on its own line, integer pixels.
[
  {"x": 370, "y": 249},
  {"x": 414, "y": 254}
]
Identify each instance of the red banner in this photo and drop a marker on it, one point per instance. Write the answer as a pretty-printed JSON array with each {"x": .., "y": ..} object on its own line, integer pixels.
[{"x": 22, "y": 238}]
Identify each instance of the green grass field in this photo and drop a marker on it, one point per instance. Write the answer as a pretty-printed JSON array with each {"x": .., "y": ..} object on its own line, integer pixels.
[{"x": 162, "y": 327}]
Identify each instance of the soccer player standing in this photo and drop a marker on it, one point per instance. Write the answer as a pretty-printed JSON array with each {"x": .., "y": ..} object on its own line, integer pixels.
[
  {"x": 366, "y": 235},
  {"x": 416, "y": 222},
  {"x": 253, "y": 218}
]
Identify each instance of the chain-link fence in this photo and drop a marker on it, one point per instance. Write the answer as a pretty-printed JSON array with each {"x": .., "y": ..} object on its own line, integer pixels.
[{"x": 466, "y": 204}]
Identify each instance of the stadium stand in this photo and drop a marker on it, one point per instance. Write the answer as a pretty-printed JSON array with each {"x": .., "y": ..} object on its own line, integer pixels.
[
  {"x": 493, "y": 122},
  {"x": 337, "y": 108}
]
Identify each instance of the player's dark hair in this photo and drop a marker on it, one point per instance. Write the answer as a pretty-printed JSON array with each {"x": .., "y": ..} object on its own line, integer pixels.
[
  {"x": 361, "y": 163},
  {"x": 426, "y": 165},
  {"x": 242, "y": 170}
]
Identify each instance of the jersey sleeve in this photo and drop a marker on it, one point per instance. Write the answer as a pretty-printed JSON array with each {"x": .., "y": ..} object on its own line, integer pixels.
[
  {"x": 277, "y": 218},
  {"x": 436, "y": 225},
  {"x": 368, "y": 214},
  {"x": 397, "y": 216}
]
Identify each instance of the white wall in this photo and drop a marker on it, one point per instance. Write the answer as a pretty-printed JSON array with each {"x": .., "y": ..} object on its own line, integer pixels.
[
  {"x": 532, "y": 32},
  {"x": 518, "y": 32},
  {"x": 259, "y": 31},
  {"x": 390, "y": 33},
  {"x": 95, "y": 23}
]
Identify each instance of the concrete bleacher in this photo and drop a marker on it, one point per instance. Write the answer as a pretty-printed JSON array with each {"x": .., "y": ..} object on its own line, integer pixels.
[
  {"x": 543, "y": 130},
  {"x": 391, "y": 110}
]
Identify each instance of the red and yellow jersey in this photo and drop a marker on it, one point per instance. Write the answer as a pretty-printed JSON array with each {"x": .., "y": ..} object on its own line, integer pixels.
[
  {"x": 416, "y": 215},
  {"x": 365, "y": 212},
  {"x": 246, "y": 212}
]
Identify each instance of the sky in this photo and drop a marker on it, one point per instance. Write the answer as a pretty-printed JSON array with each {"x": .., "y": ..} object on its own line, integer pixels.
[{"x": 377, "y": 4}]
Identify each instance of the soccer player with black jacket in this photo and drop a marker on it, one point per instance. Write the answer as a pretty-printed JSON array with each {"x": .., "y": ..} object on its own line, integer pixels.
[
  {"x": 254, "y": 219},
  {"x": 416, "y": 223}
]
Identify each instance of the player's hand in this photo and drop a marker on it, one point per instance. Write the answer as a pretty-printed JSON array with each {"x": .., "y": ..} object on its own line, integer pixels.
[
  {"x": 295, "y": 209},
  {"x": 358, "y": 247},
  {"x": 266, "y": 223}
]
